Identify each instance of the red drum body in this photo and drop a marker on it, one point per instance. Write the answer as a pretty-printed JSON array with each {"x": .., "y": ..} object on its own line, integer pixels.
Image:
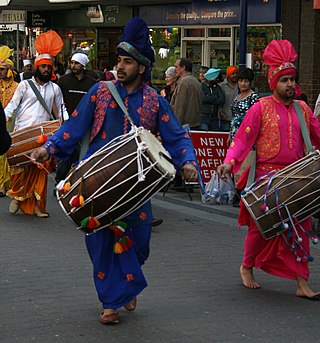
[
  {"x": 293, "y": 194},
  {"x": 116, "y": 180},
  {"x": 26, "y": 140}
]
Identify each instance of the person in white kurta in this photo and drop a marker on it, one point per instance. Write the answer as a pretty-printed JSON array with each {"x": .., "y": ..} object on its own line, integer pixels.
[{"x": 29, "y": 183}]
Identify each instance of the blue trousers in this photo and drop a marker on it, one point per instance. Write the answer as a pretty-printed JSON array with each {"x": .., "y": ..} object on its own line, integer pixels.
[{"x": 118, "y": 278}]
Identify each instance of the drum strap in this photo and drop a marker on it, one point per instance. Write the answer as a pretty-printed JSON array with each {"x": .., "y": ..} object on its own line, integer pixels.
[
  {"x": 40, "y": 98},
  {"x": 304, "y": 128},
  {"x": 117, "y": 98}
]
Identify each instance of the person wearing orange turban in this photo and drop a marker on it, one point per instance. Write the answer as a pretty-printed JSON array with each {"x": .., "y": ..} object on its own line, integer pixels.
[
  {"x": 29, "y": 183},
  {"x": 230, "y": 88},
  {"x": 273, "y": 126}
]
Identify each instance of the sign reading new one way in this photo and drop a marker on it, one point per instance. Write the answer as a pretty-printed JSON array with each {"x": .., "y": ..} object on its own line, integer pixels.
[{"x": 210, "y": 149}]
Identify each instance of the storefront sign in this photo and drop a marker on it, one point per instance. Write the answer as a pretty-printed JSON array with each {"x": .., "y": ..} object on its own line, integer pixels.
[
  {"x": 210, "y": 149},
  {"x": 213, "y": 12},
  {"x": 12, "y": 17},
  {"x": 38, "y": 19},
  {"x": 107, "y": 16}
]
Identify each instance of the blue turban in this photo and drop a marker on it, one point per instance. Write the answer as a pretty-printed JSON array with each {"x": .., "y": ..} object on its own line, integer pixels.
[{"x": 136, "y": 44}]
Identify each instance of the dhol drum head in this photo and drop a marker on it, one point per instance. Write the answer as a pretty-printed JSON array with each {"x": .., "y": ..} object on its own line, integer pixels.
[{"x": 154, "y": 149}]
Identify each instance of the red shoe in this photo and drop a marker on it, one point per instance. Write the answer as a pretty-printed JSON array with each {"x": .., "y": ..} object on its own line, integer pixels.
[
  {"x": 131, "y": 306},
  {"x": 109, "y": 318}
]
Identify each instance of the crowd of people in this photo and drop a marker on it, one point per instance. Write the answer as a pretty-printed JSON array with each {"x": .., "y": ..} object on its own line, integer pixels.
[{"x": 268, "y": 125}]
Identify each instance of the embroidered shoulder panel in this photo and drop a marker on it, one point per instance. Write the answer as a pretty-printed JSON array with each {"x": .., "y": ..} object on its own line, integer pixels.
[
  {"x": 268, "y": 141},
  {"x": 150, "y": 108},
  {"x": 102, "y": 101}
]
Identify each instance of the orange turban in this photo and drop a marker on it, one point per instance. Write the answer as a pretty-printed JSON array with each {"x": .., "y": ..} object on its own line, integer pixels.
[
  {"x": 230, "y": 70},
  {"x": 48, "y": 45},
  {"x": 279, "y": 55}
]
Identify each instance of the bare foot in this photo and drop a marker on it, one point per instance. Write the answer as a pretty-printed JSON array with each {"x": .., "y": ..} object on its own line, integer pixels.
[
  {"x": 247, "y": 278},
  {"x": 304, "y": 291}
]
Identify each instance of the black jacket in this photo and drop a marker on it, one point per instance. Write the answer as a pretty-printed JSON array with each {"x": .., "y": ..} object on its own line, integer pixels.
[
  {"x": 5, "y": 139},
  {"x": 212, "y": 98}
]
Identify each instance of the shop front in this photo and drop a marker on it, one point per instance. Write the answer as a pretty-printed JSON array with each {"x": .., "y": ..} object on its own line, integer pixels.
[
  {"x": 12, "y": 33},
  {"x": 208, "y": 33},
  {"x": 95, "y": 30}
]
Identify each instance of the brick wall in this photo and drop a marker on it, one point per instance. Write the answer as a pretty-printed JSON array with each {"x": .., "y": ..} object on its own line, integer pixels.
[{"x": 301, "y": 25}]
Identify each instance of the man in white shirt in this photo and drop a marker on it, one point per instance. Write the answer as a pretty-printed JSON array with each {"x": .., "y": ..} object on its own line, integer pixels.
[{"x": 29, "y": 183}]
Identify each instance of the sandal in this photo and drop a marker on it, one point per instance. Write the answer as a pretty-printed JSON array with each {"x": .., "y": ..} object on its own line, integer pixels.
[
  {"x": 14, "y": 207},
  {"x": 110, "y": 318},
  {"x": 131, "y": 306}
]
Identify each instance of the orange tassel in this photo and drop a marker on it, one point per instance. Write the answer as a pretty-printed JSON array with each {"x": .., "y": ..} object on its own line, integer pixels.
[
  {"x": 117, "y": 248},
  {"x": 81, "y": 200},
  {"x": 42, "y": 139},
  {"x": 66, "y": 186}
]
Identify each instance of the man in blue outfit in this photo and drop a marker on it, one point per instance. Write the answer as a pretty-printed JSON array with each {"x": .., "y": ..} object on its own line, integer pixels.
[{"x": 118, "y": 277}]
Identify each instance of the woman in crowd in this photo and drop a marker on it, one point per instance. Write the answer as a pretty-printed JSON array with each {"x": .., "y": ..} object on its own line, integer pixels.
[
  {"x": 244, "y": 100},
  {"x": 241, "y": 104},
  {"x": 171, "y": 79}
]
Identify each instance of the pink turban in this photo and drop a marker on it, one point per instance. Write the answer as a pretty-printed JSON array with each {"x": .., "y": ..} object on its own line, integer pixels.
[{"x": 279, "y": 55}]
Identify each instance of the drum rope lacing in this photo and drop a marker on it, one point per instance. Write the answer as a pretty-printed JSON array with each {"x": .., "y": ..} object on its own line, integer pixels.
[{"x": 132, "y": 198}]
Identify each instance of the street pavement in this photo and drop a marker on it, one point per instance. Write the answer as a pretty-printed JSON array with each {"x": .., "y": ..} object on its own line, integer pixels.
[{"x": 194, "y": 295}]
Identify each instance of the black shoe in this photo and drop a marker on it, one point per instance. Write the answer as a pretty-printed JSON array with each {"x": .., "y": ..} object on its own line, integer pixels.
[
  {"x": 236, "y": 199},
  {"x": 156, "y": 222}
]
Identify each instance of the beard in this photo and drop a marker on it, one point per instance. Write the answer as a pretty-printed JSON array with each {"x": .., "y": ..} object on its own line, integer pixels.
[{"x": 41, "y": 77}]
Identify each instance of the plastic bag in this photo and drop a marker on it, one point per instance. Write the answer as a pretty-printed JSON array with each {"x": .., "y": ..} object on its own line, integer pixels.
[{"x": 218, "y": 191}]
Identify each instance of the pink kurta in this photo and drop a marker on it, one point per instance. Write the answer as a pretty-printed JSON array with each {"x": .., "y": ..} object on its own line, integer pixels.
[{"x": 276, "y": 132}]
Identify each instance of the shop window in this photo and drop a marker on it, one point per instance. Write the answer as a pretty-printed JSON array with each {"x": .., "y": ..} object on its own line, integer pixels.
[
  {"x": 257, "y": 39},
  {"x": 82, "y": 40},
  {"x": 108, "y": 40},
  {"x": 219, "y": 32},
  {"x": 194, "y": 32},
  {"x": 166, "y": 43},
  {"x": 194, "y": 53}
]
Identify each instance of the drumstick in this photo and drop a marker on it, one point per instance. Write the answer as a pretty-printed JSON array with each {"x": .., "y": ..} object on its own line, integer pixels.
[
  {"x": 40, "y": 165},
  {"x": 166, "y": 157}
]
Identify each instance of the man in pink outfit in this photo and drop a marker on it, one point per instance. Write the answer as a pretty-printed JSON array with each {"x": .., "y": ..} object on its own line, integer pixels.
[{"x": 272, "y": 125}]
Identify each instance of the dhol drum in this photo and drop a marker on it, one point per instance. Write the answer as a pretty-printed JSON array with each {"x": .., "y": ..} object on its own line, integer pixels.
[
  {"x": 280, "y": 200},
  {"x": 26, "y": 140},
  {"x": 115, "y": 181}
]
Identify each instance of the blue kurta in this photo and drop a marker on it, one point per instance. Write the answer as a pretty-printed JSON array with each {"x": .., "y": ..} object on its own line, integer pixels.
[{"x": 119, "y": 277}]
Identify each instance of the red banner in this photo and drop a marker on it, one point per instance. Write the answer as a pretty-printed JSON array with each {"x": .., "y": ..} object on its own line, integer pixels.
[
  {"x": 316, "y": 4},
  {"x": 211, "y": 149}
]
